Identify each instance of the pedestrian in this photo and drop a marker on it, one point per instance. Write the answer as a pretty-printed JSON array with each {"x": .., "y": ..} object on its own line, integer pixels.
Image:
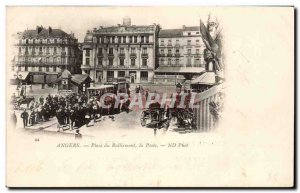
[
  {"x": 14, "y": 119},
  {"x": 24, "y": 116},
  {"x": 147, "y": 94}
]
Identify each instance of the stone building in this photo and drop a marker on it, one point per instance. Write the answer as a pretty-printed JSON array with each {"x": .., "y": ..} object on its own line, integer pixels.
[
  {"x": 121, "y": 51},
  {"x": 180, "y": 55},
  {"x": 44, "y": 52}
]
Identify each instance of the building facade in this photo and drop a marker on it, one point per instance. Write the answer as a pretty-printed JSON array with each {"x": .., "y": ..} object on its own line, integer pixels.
[
  {"x": 122, "y": 51},
  {"x": 180, "y": 54},
  {"x": 46, "y": 51}
]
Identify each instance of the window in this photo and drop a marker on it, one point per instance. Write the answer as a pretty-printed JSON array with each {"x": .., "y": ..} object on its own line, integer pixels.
[
  {"x": 144, "y": 62},
  {"x": 162, "y": 42},
  {"x": 99, "y": 51},
  {"x": 47, "y": 60},
  {"x": 197, "y": 51},
  {"x": 162, "y": 61},
  {"x": 121, "y": 62},
  {"x": 111, "y": 51},
  {"x": 121, "y": 50},
  {"x": 177, "y": 51},
  {"x": 189, "y": 61},
  {"x": 54, "y": 68},
  {"x": 99, "y": 61},
  {"x": 130, "y": 39},
  {"x": 110, "y": 61},
  {"x": 189, "y": 42},
  {"x": 26, "y": 68},
  {"x": 87, "y": 52},
  {"x": 189, "y": 33},
  {"x": 87, "y": 61},
  {"x": 169, "y": 51},
  {"x": 26, "y": 41},
  {"x": 169, "y": 61},
  {"x": 147, "y": 39},
  {"x": 40, "y": 49},
  {"x": 124, "y": 39},
  {"x": 142, "y": 39},
  {"x": 102, "y": 39},
  {"x": 47, "y": 50},
  {"x": 119, "y": 39},
  {"x": 135, "y": 39},
  {"x": 144, "y": 76},
  {"x": 189, "y": 51},
  {"x": 40, "y": 69},
  {"x": 112, "y": 39},
  {"x": 177, "y": 61},
  {"x": 169, "y": 42},
  {"x": 197, "y": 32},
  {"x": 144, "y": 51},
  {"x": 162, "y": 51},
  {"x": 47, "y": 68},
  {"x": 19, "y": 68},
  {"x": 177, "y": 42},
  {"x": 197, "y": 42},
  {"x": 110, "y": 76},
  {"x": 99, "y": 40},
  {"x": 55, "y": 41},
  {"x": 132, "y": 62},
  {"x": 133, "y": 50},
  {"x": 48, "y": 41},
  {"x": 55, "y": 50},
  {"x": 33, "y": 41},
  {"x": 20, "y": 49},
  {"x": 121, "y": 74}
]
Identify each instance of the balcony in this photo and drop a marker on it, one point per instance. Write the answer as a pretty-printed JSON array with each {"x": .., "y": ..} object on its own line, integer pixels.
[
  {"x": 133, "y": 55},
  {"x": 169, "y": 55},
  {"x": 145, "y": 55},
  {"x": 31, "y": 63},
  {"x": 122, "y": 55},
  {"x": 169, "y": 45},
  {"x": 111, "y": 55}
]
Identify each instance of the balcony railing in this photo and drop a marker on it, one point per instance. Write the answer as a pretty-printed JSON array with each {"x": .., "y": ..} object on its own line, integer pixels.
[
  {"x": 122, "y": 55},
  {"x": 144, "y": 54},
  {"x": 25, "y": 63}
]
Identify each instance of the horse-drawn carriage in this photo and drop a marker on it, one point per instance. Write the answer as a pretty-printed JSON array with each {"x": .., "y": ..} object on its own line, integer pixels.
[
  {"x": 107, "y": 103},
  {"x": 17, "y": 101},
  {"x": 157, "y": 117}
]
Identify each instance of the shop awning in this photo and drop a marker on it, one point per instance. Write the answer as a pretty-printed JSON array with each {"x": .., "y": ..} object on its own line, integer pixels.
[
  {"x": 180, "y": 70},
  {"x": 80, "y": 78},
  {"x": 21, "y": 75},
  {"x": 207, "y": 78}
]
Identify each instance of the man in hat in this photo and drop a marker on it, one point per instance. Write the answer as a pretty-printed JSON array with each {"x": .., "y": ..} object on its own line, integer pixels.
[{"x": 24, "y": 116}]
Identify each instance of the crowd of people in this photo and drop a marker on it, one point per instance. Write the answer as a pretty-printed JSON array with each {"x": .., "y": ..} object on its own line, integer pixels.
[{"x": 72, "y": 110}]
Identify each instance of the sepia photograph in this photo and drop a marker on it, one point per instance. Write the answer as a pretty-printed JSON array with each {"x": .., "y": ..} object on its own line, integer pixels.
[{"x": 149, "y": 96}]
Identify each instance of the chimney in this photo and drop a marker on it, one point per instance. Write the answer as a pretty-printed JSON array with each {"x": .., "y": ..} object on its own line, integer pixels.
[
  {"x": 100, "y": 27},
  {"x": 39, "y": 29},
  {"x": 126, "y": 21},
  {"x": 183, "y": 27},
  {"x": 95, "y": 29},
  {"x": 50, "y": 30}
]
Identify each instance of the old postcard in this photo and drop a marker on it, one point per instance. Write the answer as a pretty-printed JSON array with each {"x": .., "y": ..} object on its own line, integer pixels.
[{"x": 150, "y": 96}]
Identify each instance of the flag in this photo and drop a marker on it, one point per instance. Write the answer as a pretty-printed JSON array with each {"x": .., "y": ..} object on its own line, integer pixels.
[{"x": 206, "y": 37}]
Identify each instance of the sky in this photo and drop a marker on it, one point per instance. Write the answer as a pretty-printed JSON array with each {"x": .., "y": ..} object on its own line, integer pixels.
[{"x": 80, "y": 19}]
